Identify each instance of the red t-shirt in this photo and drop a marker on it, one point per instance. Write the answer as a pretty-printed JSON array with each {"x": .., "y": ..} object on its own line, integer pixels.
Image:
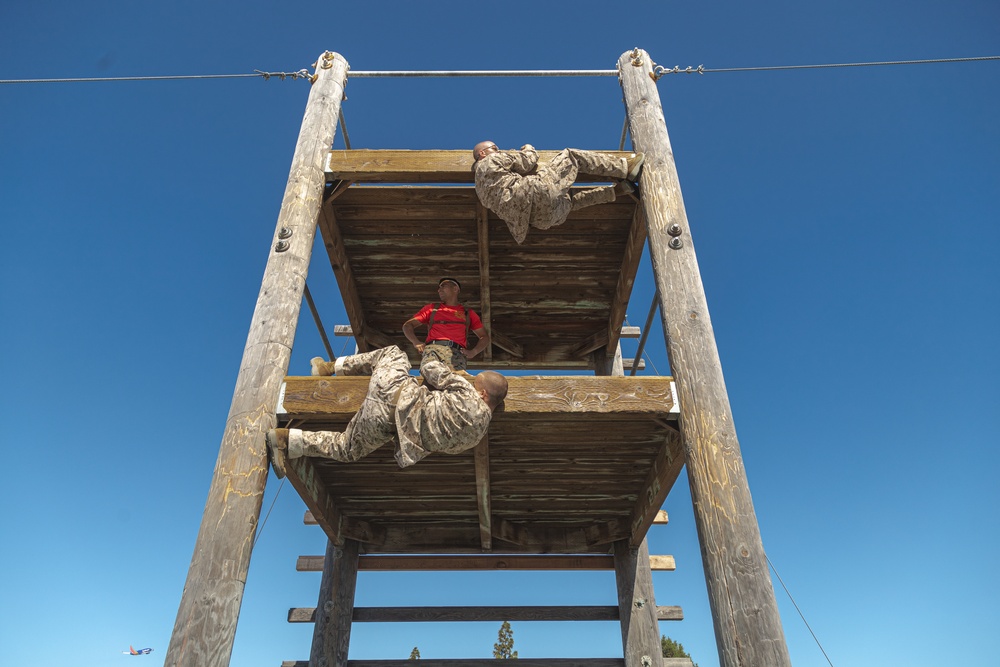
[{"x": 449, "y": 322}]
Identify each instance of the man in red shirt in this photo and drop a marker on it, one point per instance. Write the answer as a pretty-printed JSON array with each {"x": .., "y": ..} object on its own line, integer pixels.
[{"x": 448, "y": 325}]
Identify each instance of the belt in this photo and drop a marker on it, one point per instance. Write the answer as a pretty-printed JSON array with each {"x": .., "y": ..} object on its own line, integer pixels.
[{"x": 446, "y": 343}]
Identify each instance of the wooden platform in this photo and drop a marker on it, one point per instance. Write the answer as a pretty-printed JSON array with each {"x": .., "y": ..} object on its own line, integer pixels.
[
  {"x": 570, "y": 466},
  {"x": 550, "y": 303},
  {"x": 574, "y": 463}
]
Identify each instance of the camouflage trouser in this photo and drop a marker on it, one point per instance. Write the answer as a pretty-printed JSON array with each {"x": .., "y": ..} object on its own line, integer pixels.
[
  {"x": 374, "y": 424},
  {"x": 452, "y": 357},
  {"x": 558, "y": 175}
]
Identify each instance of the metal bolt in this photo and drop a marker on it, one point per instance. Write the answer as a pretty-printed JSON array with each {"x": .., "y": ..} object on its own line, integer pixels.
[
  {"x": 328, "y": 606},
  {"x": 646, "y": 661},
  {"x": 675, "y": 243},
  {"x": 640, "y": 603},
  {"x": 284, "y": 233},
  {"x": 281, "y": 246},
  {"x": 675, "y": 230}
]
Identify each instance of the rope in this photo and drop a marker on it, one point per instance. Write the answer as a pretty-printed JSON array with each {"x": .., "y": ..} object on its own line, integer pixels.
[
  {"x": 301, "y": 74},
  {"x": 815, "y": 638},
  {"x": 659, "y": 70},
  {"x": 260, "y": 528}
]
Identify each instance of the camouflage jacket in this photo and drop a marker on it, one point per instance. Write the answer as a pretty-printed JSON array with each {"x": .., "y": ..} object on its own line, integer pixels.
[
  {"x": 445, "y": 414},
  {"x": 509, "y": 184}
]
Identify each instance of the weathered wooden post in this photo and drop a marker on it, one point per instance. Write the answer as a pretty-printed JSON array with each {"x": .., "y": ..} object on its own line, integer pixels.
[
  {"x": 206, "y": 619},
  {"x": 335, "y": 608},
  {"x": 747, "y": 624}
]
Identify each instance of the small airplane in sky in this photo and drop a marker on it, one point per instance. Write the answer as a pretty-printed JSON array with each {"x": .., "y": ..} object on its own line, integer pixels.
[{"x": 141, "y": 651}]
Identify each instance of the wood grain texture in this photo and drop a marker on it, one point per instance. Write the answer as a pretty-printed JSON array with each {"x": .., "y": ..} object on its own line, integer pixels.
[
  {"x": 388, "y": 245},
  {"x": 636, "y": 605},
  {"x": 470, "y": 562},
  {"x": 334, "y": 611},
  {"x": 491, "y": 662},
  {"x": 527, "y": 395},
  {"x": 403, "y": 166},
  {"x": 747, "y": 625},
  {"x": 205, "y": 627}
]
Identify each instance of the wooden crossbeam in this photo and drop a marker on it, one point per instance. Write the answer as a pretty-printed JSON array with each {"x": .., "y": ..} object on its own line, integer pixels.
[
  {"x": 476, "y": 614},
  {"x": 626, "y": 278},
  {"x": 482, "y": 562},
  {"x": 647, "y": 396},
  {"x": 425, "y": 166},
  {"x": 559, "y": 540},
  {"x": 304, "y": 477},
  {"x": 483, "y": 662},
  {"x": 366, "y": 337},
  {"x": 666, "y": 467}
]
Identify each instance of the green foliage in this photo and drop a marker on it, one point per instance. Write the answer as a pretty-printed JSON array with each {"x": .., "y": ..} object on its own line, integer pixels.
[
  {"x": 672, "y": 649},
  {"x": 415, "y": 654},
  {"x": 503, "y": 649}
]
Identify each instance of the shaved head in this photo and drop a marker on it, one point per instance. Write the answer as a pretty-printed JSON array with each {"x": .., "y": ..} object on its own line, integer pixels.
[
  {"x": 495, "y": 386},
  {"x": 482, "y": 149}
]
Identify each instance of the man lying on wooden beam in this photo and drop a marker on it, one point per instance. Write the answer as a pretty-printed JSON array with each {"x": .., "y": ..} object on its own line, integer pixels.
[
  {"x": 526, "y": 194},
  {"x": 444, "y": 414}
]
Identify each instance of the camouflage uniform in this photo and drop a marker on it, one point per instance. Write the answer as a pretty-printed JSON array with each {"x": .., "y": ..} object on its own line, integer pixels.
[
  {"x": 452, "y": 357},
  {"x": 445, "y": 414},
  {"x": 512, "y": 185}
]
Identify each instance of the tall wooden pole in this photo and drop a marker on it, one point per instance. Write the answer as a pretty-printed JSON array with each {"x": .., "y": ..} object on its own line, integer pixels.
[
  {"x": 747, "y": 624},
  {"x": 206, "y": 619},
  {"x": 335, "y": 609}
]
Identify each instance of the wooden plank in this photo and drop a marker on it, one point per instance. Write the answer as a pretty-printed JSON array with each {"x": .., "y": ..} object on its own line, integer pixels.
[
  {"x": 662, "y": 563},
  {"x": 303, "y": 476},
  {"x": 481, "y": 453},
  {"x": 594, "y": 341},
  {"x": 396, "y": 614},
  {"x": 544, "y": 396},
  {"x": 664, "y": 472},
  {"x": 463, "y": 614},
  {"x": 559, "y": 540},
  {"x": 468, "y": 562},
  {"x": 631, "y": 332},
  {"x": 335, "y": 609},
  {"x": 483, "y": 236},
  {"x": 626, "y": 278},
  {"x": 491, "y": 662},
  {"x": 636, "y": 604},
  {"x": 205, "y": 627},
  {"x": 671, "y": 613},
  {"x": 744, "y": 610},
  {"x": 472, "y": 614},
  {"x": 423, "y": 166},
  {"x": 661, "y": 517},
  {"x": 505, "y": 342},
  {"x": 369, "y": 338}
]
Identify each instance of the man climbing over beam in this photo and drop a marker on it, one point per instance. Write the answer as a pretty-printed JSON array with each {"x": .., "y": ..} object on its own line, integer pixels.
[
  {"x": 444, "y": 414},
  {"x": 524, "y": 194}
]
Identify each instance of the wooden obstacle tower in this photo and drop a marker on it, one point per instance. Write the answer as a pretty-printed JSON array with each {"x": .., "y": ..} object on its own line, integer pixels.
[{"x": 570, "y": 476}]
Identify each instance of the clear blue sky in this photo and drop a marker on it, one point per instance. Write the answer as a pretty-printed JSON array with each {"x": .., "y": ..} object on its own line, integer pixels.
[{"x": 846, "y": 225}]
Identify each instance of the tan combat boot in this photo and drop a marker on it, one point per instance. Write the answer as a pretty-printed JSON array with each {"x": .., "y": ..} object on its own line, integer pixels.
[
  {"x": 277, "y": 448},
  {"x": 321, "y": 367}
]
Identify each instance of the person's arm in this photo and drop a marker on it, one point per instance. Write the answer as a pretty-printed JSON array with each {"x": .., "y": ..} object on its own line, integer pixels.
[
  {"x": 525, "y": 160},
  {"x": 410, "y": 331},
  {"x": 484, "y": 342}
]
